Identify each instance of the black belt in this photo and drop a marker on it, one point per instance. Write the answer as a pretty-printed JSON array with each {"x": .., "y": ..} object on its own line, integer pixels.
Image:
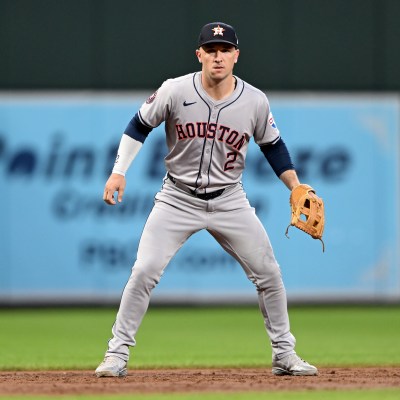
[{"x": 202, "y": 196}]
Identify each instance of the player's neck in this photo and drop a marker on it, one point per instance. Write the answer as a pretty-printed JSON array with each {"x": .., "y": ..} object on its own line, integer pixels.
[{"x": 219, "y": 89}]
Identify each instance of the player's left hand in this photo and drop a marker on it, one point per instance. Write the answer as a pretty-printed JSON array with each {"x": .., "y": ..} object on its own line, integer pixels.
[
  {"x": 307, "y": 212},
  {"x": 115, "y": 183}
]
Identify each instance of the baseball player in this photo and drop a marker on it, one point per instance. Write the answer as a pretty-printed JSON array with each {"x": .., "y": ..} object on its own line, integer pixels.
[{"x": 210, "y": 117}]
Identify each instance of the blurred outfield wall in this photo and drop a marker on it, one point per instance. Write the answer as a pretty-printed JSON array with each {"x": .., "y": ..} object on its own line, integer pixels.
[
  {"x": 134, "y": 44},
  {"x": 61, "y": 244}
]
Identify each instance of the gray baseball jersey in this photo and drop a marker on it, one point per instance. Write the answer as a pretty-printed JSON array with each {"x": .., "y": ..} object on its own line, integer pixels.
[
  {"x": 208, "y": 139},
  {"x": 207, "y": 142}
]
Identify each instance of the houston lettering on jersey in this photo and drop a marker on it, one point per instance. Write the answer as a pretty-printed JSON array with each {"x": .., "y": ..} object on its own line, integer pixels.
[{"x": 211, "y": 131}]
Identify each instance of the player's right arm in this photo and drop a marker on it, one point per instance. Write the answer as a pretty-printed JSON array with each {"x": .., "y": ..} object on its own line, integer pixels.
[
  {"x": 131, "y": 142},
  {"x": 150, "y": 115},
  {"x": 115, "y": 183},
  {"x": 127, "y": 151}
]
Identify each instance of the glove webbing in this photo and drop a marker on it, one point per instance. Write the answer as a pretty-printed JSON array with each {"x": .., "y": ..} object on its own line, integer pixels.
[{"x": 287, "y": 235}]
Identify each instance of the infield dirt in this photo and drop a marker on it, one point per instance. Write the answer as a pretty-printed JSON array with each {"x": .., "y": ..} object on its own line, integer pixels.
[{"x": 193, "y": 380}]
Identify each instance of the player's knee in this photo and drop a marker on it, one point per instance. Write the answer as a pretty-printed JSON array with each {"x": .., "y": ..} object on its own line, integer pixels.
[
  {"x": 270, "y": 278},
  {"x": 145, "y": 277}
]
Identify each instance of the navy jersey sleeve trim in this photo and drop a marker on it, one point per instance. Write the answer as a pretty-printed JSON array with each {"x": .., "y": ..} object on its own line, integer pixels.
[
  {"x": 272, "y": 142},
  {"x": 140, "y": 118},
  {"x": 278, "y": 156},
  {"x": 137, "y": 130}
]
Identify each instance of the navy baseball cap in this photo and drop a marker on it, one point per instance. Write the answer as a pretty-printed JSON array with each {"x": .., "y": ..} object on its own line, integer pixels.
[{"x": 218, "y": 32}]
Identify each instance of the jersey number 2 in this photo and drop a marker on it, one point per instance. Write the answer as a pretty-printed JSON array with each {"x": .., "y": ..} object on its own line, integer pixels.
[{"x": 231, "y": 156}]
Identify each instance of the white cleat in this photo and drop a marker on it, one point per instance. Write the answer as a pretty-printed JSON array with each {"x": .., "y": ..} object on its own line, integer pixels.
[
  {"x": 112, "y": 366},
  {"x": 293, "y": 365}
]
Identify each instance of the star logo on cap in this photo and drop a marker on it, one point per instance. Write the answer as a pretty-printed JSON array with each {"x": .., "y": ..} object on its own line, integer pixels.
[{"x": 218, "y": 31}]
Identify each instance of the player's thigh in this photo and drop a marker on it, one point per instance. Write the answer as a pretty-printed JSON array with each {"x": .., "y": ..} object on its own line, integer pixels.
[
  {"x": 241, "y": 234},
  {"x": 235, "y": 221},
  {"x": 165, "y": 231}
]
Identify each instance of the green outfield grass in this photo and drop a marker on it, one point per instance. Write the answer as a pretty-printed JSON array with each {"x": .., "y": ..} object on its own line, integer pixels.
[
  {"x": 388, "y": 394},
  {"x": 203, "y": 337},
  {"x": 198, "y": 337}
]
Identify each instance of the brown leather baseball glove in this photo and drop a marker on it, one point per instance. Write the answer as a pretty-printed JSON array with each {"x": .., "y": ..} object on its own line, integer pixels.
[{"x": 307, "y": 212}]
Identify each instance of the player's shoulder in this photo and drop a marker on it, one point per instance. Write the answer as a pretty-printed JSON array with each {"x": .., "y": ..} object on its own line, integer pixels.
[
  {"x": 254, "y": 92},
  {"x": 179, "y": 81}
]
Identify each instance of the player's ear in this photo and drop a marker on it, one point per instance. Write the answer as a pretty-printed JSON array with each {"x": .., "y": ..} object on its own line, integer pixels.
[
  {"x": 237, "y": 55},
  {"x": 198, "y": 55}
]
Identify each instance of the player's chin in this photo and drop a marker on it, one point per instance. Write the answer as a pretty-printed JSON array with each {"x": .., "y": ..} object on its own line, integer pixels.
[{"x": 219, "y": 73}]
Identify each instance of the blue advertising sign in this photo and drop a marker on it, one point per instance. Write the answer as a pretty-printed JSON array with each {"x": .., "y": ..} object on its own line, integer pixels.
[{"x": 61, "y": 242}]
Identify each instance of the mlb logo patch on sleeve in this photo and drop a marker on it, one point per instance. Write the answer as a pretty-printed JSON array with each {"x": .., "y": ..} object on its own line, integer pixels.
[
  {"x": 271, "y": 121},
  {"x": 151, "y": 98}
]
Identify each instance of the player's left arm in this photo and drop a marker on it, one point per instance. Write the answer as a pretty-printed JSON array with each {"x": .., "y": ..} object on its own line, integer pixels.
[
  {"x": 268, "y": 137},
  {"x": 279, "y": 158},
  {"x": 290, "y": 179}
]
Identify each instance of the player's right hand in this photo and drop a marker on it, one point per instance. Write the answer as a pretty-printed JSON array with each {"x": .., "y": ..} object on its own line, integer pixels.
[{"x": 115, "y": 183}]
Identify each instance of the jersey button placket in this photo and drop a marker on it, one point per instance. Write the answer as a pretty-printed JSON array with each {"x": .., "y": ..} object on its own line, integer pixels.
[
  {"x": 207, "y": 148},
  {"x": 214, "y": 113}
]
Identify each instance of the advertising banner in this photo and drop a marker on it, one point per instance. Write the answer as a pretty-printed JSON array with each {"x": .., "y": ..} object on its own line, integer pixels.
[{"x": 61, "y": 243}]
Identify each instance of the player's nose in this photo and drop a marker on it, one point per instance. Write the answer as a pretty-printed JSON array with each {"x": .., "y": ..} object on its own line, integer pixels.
[{"x": 218, "y": 56}]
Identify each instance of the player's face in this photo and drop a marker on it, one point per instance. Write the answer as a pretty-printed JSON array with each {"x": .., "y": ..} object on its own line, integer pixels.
[{"x": 217, "y": 59}]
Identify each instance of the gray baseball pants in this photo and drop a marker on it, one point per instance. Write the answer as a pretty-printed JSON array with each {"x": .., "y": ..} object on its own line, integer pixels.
[{"x": 231, "y": 220}]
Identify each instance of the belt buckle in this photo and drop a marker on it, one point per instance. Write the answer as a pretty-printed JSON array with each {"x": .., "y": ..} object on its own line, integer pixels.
[
  {"x": 209, "y": 196},
  {"x": 202, "y": 196}
]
